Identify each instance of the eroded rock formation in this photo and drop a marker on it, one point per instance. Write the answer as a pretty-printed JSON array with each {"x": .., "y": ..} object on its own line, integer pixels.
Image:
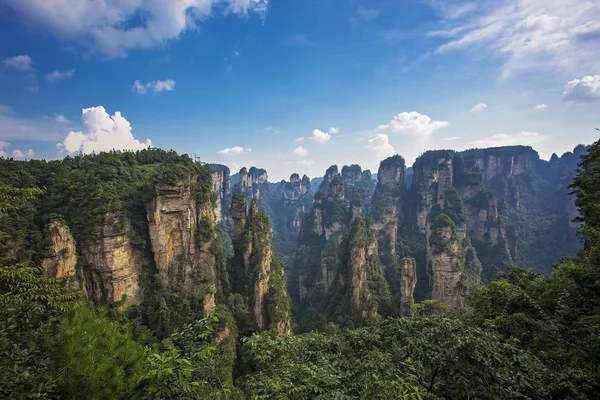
[{"x": 258, "y": 275}]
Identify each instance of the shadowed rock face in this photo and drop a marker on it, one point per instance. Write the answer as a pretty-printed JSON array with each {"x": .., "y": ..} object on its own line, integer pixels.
[
  {"x": 258, "y": 275},
  {"x": 453, "y": 265},
  {"x": 408, "y": 283}
]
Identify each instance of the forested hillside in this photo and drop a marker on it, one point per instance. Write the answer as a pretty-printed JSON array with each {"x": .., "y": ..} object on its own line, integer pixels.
[{"x": 148, "y": 275}]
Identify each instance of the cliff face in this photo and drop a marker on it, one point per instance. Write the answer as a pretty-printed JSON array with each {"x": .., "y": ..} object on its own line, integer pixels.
[
  {"x": 408, "y": 283},
  {"x": 258, "y": 275},
  {"x": 453, "y": 265},
  {"x": 250, "y": 182},
  {"x": 221, "y": 187},
  {"x": 443, "y": 183},
  {"x": 61, "y": 258},
  {"x": 358, "y": 186},
  {"x": 532, "y": 200},
  {"x": 110, "y": 265},
  {"x": 360, "y": 287},
  {"x": 387, "y": 213}
]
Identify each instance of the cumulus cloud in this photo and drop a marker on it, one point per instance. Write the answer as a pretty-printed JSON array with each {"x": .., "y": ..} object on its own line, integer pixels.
[
  {"x": 540, "y": 107},
  {"x": 22, "y": 155},
  {"x": 320, "y": 136},
  {"x": 101, "y": 132},
  {"x": 61, "y": 119},
  {"x": 300, "y": 151},
  {"x": 55, "y": 76},
  {"x": 155, "y": 86},
  {"x": 235, "y": 150},
  {"x": 413, "y": 123},
  {"x": 558, "y": 35},
  {"x": 22, "y": 63},
  {"x": 503, "y": 139},
  {"x": 583, "y": 90},
  {"x": 334, "y": 130},
  {"x": 114, "y": 27},
  {"x": 478, "y": 107},
  {"x": 380, "y": 145}
]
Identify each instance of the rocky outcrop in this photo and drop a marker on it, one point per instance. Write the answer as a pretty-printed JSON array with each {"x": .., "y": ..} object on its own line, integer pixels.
[
  {"x": 182, "y": 233},
  {"x": 444, "y": 183},
  {"x": 408, "y": 283},
  {"x": 221, "y": 187},
  {"x": 250, "y": 182},
  {"x": 452, "y": 262},
  {"x": 296, "y": 200},
  {"x": 360, "y": 287},
  {"x": 110, "y": 264},
  {"x": 258, "y": 274},
  {"x": 61, "y": 257},
  {"x": 387, "y": 214},
  {"x": 358, "y": 185}
]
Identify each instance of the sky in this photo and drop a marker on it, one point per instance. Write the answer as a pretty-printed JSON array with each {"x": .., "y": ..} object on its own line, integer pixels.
[{"x": 297, "y": 85}]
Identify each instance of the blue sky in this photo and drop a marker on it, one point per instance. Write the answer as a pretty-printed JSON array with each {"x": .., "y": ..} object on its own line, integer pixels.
[{"x": 295, "y": 86}]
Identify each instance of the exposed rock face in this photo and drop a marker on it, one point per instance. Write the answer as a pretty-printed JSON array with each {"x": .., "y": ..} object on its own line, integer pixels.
[
  {"x": 249, "y": 181},
  {"x": 221, "y": 187},
  {"x": 296, "y": 201},
  {"x": 361, "y": 276},
  {"x": 443, "y": 183},
  {"x": 387, "y": 214},
  {"x": 172, "y": 221},
  {"x": 111, "y": 265},
  {"x": 358, "y": 185},
  {"x": 61, "y": 258},
  {"x": 258, "y": 274},
  {"x": 408, "y": 283},
  {"x": 181, "y": 239},
  {"x": 453, "y": 265}
]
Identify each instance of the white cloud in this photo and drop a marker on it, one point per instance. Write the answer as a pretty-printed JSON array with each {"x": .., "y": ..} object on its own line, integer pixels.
[
  {"x": 367, "y": 13},
  {"x": 20, "y": 155},
  {"x": 55, "y": 76},
  {"x": 320, "y": 136},
  {"x": 585, "y": 89},
  {"x": 380, "y": 145},
  {"x": 235, "y": 150},
  {"x": 113, "y": 27},
  {"x": 503, "y": 139},
  {"x": 451, "y": 138},
  {"x": 413, "y": 123},
  {"x": 3, "y": 146},
  {"x": 540, "y": 107},
  {"x": 61, "y": 119},
  {"x": 155, "y": 86},
  {"x": 334, "y": 130},
  {"x": 478, "y": 107},
  {"x": 557, "y": 35},
  {"x": 300, "y": 139},
  {"x": 22, "y": 63},
  {"x": 300, "y": 151},
  {"x": 101, "y": 132}
]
